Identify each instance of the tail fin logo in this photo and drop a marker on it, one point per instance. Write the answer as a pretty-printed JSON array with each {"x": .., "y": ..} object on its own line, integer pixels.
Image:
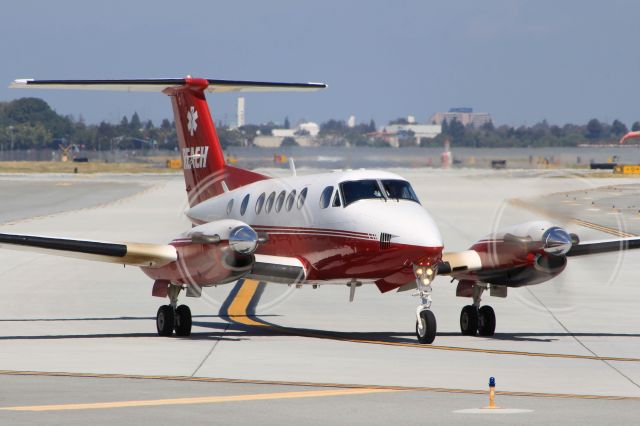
[
  {"x": 192, "y": 123},
  {"x": 195, "y": 157}
]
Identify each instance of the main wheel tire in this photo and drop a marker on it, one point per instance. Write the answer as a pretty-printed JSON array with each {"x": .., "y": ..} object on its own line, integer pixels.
[
  {"x": 469, "y": 320},
  {"x": 486, "y": 321},
  {"x": 165, "y": 320},
  {"x": 429, "y": 326},
  {"x": 183, "y": 321}
]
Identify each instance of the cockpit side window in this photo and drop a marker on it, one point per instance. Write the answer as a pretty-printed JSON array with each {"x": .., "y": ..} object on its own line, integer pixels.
[
  {"x": 356, "y": 190},
  {"x": 399, "y": 190},
  {"x": 325, "y": 197}
]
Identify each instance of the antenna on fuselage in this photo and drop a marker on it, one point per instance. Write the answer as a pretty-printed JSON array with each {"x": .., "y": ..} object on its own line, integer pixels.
[{"x": 292, "y": 167}]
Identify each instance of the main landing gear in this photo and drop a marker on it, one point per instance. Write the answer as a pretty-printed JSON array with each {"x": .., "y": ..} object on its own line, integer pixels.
[
  {"x": 475, "y": 319},
  {"x": 173, "y": 317},
  {"x": 426, "y": 325}
]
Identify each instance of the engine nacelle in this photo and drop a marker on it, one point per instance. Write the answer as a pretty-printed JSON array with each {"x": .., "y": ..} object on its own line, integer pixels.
[
  {"x": 525, "y": 254},
  {"x": 214, "y": 253}
]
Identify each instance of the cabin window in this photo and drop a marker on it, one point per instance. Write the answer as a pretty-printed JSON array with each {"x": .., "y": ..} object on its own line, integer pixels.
[
  {"x": 290, "y": 199},
  {"x": 270, "y": 201},
  {"x": 357, "y": 190},
  {"x": 229, "y": 207},
  {"x": 260, "y": 203},
  {"x": 336, "y": 200},
  {"x": 280, "y": 201},
  {"x": 325, "y": 197},
  {"x": 244, "y": 204},
  {"x": 399, "y": 190},
  {"x": 302, "y": 197}
]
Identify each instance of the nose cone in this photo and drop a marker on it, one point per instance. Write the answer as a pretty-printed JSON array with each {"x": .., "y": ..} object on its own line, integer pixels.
[
  {"x": 409, "y": 223},
  {"x": 556, "y": 241},
  {"x": 243, "y": 239}
]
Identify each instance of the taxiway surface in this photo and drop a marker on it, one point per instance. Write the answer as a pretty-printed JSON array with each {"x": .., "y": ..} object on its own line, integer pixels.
[{"x": 570, "y": 345}]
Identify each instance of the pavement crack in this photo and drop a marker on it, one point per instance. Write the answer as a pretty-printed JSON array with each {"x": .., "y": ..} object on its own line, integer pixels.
[
  {"x": 215, "y": 344},
  {"x": 613, "y": 367}
]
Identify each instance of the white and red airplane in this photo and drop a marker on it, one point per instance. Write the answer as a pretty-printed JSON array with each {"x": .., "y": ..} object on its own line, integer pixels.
[{"x": 351, "y": 227}]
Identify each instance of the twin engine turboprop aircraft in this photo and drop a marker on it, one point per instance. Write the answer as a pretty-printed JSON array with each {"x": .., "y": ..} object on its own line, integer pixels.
[{"x": 351, "y": 227}]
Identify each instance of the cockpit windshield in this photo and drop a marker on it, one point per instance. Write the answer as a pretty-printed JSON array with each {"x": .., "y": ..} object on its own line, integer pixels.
[
  {"x": 399, "y": 190},
  {"x": 356, "y": 190},
  {"x": 371, "y": 189}
]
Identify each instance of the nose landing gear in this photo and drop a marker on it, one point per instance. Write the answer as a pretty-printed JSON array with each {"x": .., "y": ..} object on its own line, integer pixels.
[
  {"x": 173, "y": 317},
  {"x": 426, "y": 324}
]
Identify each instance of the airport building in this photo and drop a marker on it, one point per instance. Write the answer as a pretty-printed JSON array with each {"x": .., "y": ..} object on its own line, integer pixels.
[
  {"x": 304, "y": 134},
  {"x": 464, "y": 115},
  {"x": 393, "y": 133}
]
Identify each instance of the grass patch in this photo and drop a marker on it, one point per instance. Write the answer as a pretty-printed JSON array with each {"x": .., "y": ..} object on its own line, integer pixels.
[{"x": 82, "y": 168}]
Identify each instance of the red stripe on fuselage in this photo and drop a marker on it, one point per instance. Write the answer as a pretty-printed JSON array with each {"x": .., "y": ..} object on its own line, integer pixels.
[
  {"x": 266, "y": 228},
  {"x": 330, "y": 257}
]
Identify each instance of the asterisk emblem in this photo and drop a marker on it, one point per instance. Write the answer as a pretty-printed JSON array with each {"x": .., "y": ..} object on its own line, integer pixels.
[{"x": 192, "y": 124}]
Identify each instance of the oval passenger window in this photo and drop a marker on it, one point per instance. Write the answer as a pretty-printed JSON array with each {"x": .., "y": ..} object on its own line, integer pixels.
[{"x": 260, "y": 203}]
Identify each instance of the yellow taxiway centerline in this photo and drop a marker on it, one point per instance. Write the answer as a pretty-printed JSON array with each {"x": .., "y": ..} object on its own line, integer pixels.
[
  {"x": 197, "y": 400},
  {"x": 238, "y": 309},
  {"x": 238, "y": 313}
]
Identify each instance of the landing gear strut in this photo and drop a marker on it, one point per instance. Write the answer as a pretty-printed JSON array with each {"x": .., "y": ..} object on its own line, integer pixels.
[
  {"x": 173, "y": 317},
  {"x": 475, "y": 319},
  {"x": 426, "y": 325}
]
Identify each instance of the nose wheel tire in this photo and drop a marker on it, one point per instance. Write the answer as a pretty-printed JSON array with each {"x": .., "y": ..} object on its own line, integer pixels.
[
  {"x": 469, "y": 320},
  {"x": 183, "y": 321},
  {"x": 486, "y": 321},
  {"x": 165, "y": 320},
  {"x": 426, "y": 330}
]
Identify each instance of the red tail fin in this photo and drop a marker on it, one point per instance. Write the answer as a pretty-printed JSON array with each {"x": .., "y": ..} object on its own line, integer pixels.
[{"x": 202, "y": 157}]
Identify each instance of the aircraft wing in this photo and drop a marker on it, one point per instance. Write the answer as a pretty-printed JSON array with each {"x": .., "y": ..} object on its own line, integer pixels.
[
  {"x": 135, "y": 254},
  {"x": 603, "y": 246}
]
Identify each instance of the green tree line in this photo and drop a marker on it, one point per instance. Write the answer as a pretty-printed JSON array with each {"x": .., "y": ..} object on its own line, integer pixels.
[
  {"x": 30, "y": 123},
  {"x": 542, "y": 134}
]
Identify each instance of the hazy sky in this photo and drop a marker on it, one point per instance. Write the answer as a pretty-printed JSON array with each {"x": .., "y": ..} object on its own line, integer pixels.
[{"x": 522, "y": 61}]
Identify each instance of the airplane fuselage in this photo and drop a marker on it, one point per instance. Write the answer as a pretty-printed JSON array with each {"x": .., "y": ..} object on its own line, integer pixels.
[{"x": 363, "y": 225}]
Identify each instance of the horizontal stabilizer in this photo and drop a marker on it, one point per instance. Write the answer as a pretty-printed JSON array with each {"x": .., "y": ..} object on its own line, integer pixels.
[
  {"x": 136, "y": 254},
  {"x": 161, "y": 84}
]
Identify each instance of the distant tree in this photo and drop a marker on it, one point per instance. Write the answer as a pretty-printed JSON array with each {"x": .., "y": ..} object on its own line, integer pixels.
[
  {"x": 333, "y": 127},
  {"x": 636, "y": 126},
  {"x": 400, "y": 120},
  {"x": 287, "y": 125},
  {"x": 229, "y": 137},
  {"x": 124, "y": 122},
  {"x": 556, "y": 131},
  {"x": 594, "y": 129},
  {"x": 445, "y": 127},
  {"x": 488, "y": 126},
  {"x": 165, "y": 125},
  {"x": 149, "y": 125},
  {"x": 618, "y": 128},
  {"x": 372, "y": 126},
  {"x": 32, "y": 111},
  {"x": 456, "y": 131},
  {"x": 135, "y": 123},
  {"x": 288, "y": 142}
]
